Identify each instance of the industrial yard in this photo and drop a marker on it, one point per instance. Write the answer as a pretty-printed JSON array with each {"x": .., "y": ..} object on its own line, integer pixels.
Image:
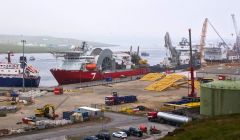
[
  {"x": 88, "y": 96},
  {"x": 94, "y": 96},
  {"x": 131, "y": 70}
]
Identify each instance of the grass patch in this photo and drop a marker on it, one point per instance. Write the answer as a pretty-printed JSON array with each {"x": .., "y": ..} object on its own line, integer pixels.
[{"x": 215, "y": 128}]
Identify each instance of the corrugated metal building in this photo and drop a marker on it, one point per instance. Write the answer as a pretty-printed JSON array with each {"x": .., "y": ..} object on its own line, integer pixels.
[{"x": 220, "y": 97}]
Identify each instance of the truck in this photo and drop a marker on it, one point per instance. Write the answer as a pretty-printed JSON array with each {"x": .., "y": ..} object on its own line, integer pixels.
[
  {"x": 164, "y": 117},
  {"x": 116, "y": 100}
]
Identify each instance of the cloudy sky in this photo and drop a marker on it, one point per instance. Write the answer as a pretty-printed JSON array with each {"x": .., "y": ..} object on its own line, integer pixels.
[{"x": 123, "y": 22}]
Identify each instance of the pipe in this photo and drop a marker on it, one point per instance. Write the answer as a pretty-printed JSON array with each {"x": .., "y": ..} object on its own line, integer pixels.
[{"x": 173, "y": 117}]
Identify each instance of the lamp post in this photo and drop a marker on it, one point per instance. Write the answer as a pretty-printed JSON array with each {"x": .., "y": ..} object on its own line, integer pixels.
[{"x": 23, "y": 65}]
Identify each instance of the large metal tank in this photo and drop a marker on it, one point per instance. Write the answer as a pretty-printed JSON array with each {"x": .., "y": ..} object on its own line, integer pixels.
[
  {"x": 219, "y": 98},
  {"x": 173, "y": 118}
]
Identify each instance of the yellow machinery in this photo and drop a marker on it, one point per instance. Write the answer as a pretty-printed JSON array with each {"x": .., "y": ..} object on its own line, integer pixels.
[
  {"x": 47, "y": 111},
  {"x": 152, "y": 77},
  {"x": 143, "y": 62},
  {"x": 165, "y": 83},
  {"x": 196, "y": 84}
]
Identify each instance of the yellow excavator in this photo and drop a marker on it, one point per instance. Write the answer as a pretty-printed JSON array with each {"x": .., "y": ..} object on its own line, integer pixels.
[{"x": 47, "y": 111}]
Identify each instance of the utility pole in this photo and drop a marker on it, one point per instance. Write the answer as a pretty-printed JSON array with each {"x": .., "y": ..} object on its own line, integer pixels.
[
  {"x": 23, "y": 65},
  {"x": 191, "y": 66}
]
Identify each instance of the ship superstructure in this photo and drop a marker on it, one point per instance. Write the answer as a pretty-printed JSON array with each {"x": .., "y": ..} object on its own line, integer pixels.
[
  {"x": 85, "y": 63},
  {"x": 178, "y": 56},
  {"x": 13, "y": 74}
]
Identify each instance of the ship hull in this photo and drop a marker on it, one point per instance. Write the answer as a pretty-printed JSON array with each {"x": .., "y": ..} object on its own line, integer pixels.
[
  {"x": 18, "y": 81},
  {"x": 64, "y": 77}
]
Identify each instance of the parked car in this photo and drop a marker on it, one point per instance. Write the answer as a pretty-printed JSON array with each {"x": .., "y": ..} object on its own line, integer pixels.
[
  {"x": 103, "y": 136},
  {"x": 91, "y": 138},
  {"x": 135, "y": 132},
  {"x": 126, "y": 131},
  {"x": 119, "y": 134}
]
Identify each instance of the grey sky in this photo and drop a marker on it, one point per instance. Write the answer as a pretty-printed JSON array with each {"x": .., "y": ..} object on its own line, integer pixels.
[{"x": 125, "y": 22}]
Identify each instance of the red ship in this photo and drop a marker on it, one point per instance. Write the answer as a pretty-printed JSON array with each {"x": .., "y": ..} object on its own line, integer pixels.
[{"x": 84, "y": 64}]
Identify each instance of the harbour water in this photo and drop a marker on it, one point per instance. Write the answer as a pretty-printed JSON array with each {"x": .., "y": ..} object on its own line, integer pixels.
[{"x": 45, "y": 61}]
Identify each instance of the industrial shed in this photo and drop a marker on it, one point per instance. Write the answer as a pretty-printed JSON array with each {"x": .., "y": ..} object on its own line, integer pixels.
[
  {"x": 93, "y": 112},
  {"x": 220, "y": 98}
]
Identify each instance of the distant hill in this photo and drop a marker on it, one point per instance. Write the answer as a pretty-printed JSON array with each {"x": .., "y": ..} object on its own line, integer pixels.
[{"x": 46, "y": 41}]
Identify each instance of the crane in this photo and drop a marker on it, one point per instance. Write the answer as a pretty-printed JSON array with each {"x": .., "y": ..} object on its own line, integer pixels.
[
  {"x": 237, "y": 44},
  {"x": 203, "y": 39},
  {"x": 235, "y": 25},
  {"x": 174, "y": 53}
]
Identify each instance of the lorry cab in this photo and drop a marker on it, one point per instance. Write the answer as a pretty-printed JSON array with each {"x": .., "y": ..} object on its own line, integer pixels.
[
  {"x": 152, "y": 116},
  {"x": 109, "y": 100}
]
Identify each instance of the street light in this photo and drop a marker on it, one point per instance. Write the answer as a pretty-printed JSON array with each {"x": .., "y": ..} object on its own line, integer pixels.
[{"x": 23, "y": 66}]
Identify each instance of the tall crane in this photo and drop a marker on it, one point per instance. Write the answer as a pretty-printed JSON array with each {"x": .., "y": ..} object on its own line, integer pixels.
[
  {"x": 235, "y": 25},
  {"x": 203, "y": 39},
  {"x": 237, "y": 44}
]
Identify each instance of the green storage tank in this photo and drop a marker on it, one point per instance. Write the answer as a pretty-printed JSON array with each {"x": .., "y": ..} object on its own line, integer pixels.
[{"x": 220, "y": 98}]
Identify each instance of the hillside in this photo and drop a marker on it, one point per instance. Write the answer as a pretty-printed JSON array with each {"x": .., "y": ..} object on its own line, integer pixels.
[
  {"x": 46, "y": 41},
  {"x": 4, "y": 48},
  {"x": 216, "y": 128}
]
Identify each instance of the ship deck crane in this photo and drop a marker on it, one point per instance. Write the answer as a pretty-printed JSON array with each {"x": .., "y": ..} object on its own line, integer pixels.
[{"x": 173, "y": 52}]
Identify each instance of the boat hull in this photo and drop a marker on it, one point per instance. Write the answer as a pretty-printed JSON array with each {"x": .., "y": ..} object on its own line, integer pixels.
[
  {"x": 18, "y": 81},
  {"x": 76, "y": 76}
]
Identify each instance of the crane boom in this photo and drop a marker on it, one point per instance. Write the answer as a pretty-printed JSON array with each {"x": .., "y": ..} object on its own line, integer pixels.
[
  {"x": 203, "y": 38},
  {"x": 235, "y": 24},
  {"x": 173, "y": 51}
]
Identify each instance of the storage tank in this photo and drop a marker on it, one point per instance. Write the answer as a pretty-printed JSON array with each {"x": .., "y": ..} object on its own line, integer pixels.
[
  {"x": 173, "y": 118},
  {"x": 219, "y": 98}
]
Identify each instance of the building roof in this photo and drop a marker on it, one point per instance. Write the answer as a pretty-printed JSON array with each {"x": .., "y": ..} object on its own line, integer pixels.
[
  {"x": 227, "y": 84},
  {"x": 89, "y": 108}
]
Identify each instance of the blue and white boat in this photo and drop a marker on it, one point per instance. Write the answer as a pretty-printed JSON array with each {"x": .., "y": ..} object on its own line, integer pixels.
[{"x": 13, "y": 74}]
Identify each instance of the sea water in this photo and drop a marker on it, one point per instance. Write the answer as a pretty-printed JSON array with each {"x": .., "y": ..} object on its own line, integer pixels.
[{"x": 45, "y": 61}]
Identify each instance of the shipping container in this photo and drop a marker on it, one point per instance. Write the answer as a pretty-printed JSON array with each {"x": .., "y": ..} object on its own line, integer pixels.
[{"x": 67, "y": 114}]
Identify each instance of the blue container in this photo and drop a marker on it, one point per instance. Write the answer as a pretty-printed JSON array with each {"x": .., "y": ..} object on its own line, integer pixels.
[
  {"x": 85, "y": 114},
  {"x": 14, "y": 94},
  {"x": 130, "y": 99},
  {"x": 179, "y": 102},
  {"x": 67, "y": 114},
  {"x": 108, "y": 79}
]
